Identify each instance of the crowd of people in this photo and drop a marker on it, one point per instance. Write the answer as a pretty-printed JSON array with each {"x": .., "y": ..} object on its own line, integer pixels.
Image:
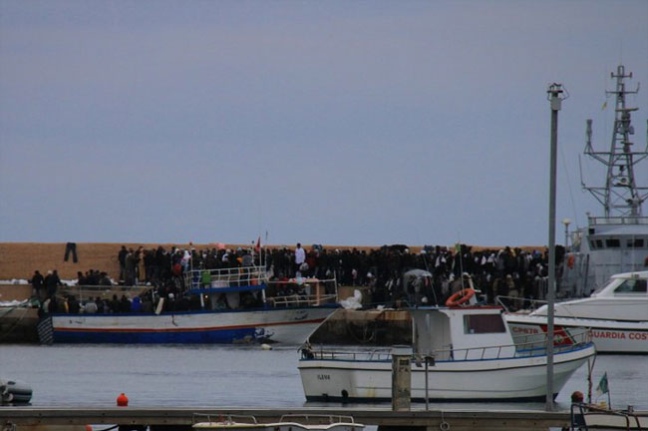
[{"x": 508, "y": 272}]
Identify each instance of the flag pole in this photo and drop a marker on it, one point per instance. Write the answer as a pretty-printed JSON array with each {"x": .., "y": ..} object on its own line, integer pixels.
[
  {"x": 607, "y": 386},
  {"x": 604, "y": 387}
]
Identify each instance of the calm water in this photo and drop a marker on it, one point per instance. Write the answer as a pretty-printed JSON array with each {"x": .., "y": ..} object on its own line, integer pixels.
[{"x": 234, "y": 376}]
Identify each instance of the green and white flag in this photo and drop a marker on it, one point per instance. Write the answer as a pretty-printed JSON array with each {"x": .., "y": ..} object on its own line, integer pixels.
[{"x": 602, "y": 387}]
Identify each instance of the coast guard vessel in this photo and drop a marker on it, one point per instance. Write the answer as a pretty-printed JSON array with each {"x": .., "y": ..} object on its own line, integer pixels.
[
  {"x": 617, "y": 241},
  {"x": 603, "y": 267}
]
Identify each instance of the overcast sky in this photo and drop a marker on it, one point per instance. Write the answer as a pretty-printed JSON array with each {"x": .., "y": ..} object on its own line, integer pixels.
[{"x": 331, "y": 122}]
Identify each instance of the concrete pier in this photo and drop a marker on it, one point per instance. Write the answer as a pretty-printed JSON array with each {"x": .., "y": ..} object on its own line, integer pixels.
[{"x": 181, "y": 419}]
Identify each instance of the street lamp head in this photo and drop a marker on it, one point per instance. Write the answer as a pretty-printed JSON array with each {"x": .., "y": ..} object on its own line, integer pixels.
[{"x": 566, "y": 222}]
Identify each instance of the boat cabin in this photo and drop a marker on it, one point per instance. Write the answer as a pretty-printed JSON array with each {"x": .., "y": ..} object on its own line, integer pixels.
[
  {"x": 473, "y": 332},
  {"x": 630, "y": 284},
  {"x": 624, "y": 298}
]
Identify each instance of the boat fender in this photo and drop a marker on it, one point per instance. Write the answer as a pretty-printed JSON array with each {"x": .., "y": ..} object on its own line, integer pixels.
[
  {"x": 460, "y": 297},
  {"x": 160, "y": 306},
  {"x": 571, "y": 260},
  {"x": 122, "y": 400},
  {"x": 14, "y": 392}
]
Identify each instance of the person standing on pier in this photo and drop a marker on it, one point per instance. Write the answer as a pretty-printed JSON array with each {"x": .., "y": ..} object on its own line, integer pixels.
[
  {"x": 300, "y": 258},
  {"x": 37, "y": 282},
  {"x": 52, "y": 282}
]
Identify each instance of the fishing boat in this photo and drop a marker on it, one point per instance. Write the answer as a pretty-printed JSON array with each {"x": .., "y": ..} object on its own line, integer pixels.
[
  {"x": 585, "y": 417},
  {"x": 463, "y": 352},
  {"x": 617, "y": 315},
  {"x": 226, "y": 306},
  {"x": 294, "y": 422},
  {"x": 616, "y": 241}
]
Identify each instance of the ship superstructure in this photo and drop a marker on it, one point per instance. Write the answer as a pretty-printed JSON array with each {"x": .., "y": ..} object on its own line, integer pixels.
[{"x": 616, "y": 241}]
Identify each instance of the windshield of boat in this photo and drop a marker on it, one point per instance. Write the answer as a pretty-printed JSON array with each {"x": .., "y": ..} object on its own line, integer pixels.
[{"x": 632, "y": 285}]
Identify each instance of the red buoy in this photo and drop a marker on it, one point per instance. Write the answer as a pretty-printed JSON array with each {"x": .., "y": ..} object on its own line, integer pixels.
[{"x": 122, "y": 400}]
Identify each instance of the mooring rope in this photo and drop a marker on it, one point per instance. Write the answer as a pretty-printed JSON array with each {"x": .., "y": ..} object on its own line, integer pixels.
[{"x": 15, "y": 324}]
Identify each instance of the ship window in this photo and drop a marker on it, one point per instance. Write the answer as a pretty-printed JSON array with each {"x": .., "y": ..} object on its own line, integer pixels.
[
  {"x": 633, "y": 286},
  {"x": 596, "y": 244},
  {"x": 483, "y": 324},
  {"x": 636, "y": 243},
  {"x": 612, "y": 243}
]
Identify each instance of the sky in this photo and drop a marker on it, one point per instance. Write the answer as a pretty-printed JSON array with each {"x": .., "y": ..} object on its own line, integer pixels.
[{"x": 334, "y": 122}]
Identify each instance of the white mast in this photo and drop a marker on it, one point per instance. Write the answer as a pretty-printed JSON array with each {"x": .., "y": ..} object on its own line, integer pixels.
[{"x": 620, "y": 196}]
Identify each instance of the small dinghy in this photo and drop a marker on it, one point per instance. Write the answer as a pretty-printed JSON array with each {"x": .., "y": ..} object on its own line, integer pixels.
[
  {"x": 591, "y": 417},
  {"x": 14, "y": 392}
]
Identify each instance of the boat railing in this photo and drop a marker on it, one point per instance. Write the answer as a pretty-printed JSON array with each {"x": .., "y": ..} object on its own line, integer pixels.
[
  {"x": 521, "y": 348},
  {"x": 317, "y": 419},
  {"x": 226, "y": 277},
  {"x": 620, "y": 220},
  {"x": 564, "y": 340},
  {"x": 85, "y": 293},
  {"x": 301, "y": 291},
  {"x": 378, "y": 354},
  {"x": 296, "y": 300},
  {"x": 223, "y": 418},
  {"x": 533, "y": 346},
  {"x": 590, "y": 416}
]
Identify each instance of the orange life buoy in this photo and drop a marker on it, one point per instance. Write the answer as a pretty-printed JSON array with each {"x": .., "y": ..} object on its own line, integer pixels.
[
  {"x": 460, "y": 297},
  {"x": 570, "y": 260}
]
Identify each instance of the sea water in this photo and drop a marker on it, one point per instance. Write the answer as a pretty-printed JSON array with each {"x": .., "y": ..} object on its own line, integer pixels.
[{"x": 213, "y": 376}]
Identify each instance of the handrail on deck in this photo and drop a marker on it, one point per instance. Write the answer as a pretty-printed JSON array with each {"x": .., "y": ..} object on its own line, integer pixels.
[
  {"x": 518, "y": 349},
  {"x": 309, "y": 419},
  {"x": 623, "y": 220},
  {"x": 580, "y": 412},
  {"x": 295, "y": 299},
  {"x": 226, "y": 418},
  {"x": 222, "y": 277}
]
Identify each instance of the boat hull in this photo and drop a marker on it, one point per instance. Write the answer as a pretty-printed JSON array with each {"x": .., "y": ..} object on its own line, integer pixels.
[
  {"x": 608, "y": 336},
  {"x": 283, "y": 325},
  {"x": 514, "y": 379}
]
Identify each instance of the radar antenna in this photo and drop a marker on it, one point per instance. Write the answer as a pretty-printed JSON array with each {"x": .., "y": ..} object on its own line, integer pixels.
[{"x": 620, "y": 196}]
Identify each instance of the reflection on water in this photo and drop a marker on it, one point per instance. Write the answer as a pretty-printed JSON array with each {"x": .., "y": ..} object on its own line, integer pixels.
[{"x": 235, "y": 376}]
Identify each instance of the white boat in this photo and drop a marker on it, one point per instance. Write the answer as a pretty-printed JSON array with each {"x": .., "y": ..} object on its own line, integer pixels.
[
  {"x": 293, "y": 422},
  {"x": 227, "y": 306},
  {"x": 14, "y": 392},
  {"x": 615, "y": 241},
  {"x": 617, "y": 315},
  {"x": 473, "y": 355},
  {"x": 586, "y": 417}
]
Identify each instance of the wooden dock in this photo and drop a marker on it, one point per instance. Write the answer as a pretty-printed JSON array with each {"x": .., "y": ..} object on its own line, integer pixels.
[{"x": 181, "y": 419}]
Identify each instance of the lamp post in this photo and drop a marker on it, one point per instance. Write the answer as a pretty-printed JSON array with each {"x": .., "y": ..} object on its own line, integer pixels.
[
  {"x": 555, "y": 94},
  {"x": 566, "y": 222}
]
